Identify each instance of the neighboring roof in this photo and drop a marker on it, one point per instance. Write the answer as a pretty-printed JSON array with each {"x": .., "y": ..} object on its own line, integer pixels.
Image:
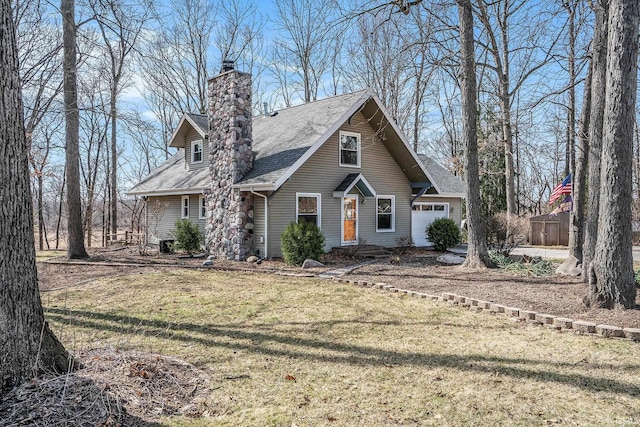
[
  {"x": 445, "y": 181},
  {"x": 172, "y": 178},
  {"x": 198, "y": 122}
]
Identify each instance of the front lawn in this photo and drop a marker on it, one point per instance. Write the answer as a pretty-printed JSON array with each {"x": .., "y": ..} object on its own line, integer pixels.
[{"x": 295, "y": 351}]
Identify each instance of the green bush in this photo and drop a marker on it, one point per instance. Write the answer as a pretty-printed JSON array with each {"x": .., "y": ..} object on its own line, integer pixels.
[
  {"x": 443, "y": 233},
  {"x": 186, "y": 237},
  {"x": 301, "y": 240}
]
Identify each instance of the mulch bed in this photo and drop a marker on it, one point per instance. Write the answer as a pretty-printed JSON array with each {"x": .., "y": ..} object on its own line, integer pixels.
[{"x": 557, "y": 295}]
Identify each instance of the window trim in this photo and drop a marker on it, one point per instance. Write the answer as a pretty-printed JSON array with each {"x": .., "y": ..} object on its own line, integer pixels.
[
  {"x": 318, "y": 197},
  {"x": 202, "y": 207},
  {"x": 184, "y": 207},
  {"x": 359, "y": 149},
  {"x": 193, "y": 143},
  {"x": 393, "y": 214}
]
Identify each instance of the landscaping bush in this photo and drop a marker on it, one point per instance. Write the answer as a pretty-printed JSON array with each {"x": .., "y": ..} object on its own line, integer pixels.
[
  {"x": 186, "y": 236},
  {"x": 301, "y": 240},
  {"x": 496, "y": 228},
  {"x": 443, "y": 233}
]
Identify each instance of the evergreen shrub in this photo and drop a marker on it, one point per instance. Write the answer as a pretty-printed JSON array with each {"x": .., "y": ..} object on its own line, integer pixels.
[
  {"x": 301, "y": 240},
  {"x": 443, "y": 233}
]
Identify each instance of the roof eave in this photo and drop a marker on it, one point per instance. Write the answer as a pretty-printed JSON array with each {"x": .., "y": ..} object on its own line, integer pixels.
[
  {"x": 270, "y": 186},
  {"x": 167, "y": 192}
]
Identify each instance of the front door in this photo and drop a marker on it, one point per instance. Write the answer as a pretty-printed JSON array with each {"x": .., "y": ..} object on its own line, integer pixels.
[{"x": 350, "y": 220}]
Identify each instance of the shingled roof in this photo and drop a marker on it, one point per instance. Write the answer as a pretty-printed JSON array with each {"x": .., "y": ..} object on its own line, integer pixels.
[
  {"x": 172, "y": 178},
  {"x": 281, "y": 138},
  {"x": 448, "y": 183},
  {"x": 282, "y": 141}
]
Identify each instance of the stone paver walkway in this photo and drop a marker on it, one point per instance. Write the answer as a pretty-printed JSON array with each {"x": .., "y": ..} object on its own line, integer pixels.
[{"x": 339, "y": 272}]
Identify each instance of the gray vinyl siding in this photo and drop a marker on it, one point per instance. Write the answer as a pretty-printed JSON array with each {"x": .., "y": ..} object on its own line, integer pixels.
[
  {"x": 168, "y": 210},
  {"x": 258, "y": 225},
  {"x": 455, "y": 206},
  {"x": 322, "y": 174},
  {"x": 191, "y": 136}
]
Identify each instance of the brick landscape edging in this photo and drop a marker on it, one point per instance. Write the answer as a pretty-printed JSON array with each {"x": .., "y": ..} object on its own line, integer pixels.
[{"x": 513, "y": 313}]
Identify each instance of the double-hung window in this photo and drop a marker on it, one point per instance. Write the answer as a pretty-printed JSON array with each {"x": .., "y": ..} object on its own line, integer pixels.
[
  {"x": 385, "y": 213},
  {"x": 349, "y": 149},
  {"x": 184, "y": 207},
  {"x": 202, "y": 204},
  {"x": 196, "y": 152},
  {"x": 308, "y": 208}
]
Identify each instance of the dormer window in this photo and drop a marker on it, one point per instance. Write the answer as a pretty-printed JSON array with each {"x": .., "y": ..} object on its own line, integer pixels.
[
  {"x": 349, "y": 149},
  {"x": 196, "y": 152}
]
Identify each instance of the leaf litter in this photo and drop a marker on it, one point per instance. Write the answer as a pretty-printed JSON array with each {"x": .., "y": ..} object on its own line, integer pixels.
[{"x": 114, "y": 388}]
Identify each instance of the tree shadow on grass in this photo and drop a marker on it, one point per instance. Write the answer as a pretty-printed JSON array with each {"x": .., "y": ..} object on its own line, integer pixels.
[{"x": 295, "y": 347}]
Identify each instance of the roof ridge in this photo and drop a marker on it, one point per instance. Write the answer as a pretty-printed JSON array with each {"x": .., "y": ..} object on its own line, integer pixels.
[{"x": 333, "y": 97}]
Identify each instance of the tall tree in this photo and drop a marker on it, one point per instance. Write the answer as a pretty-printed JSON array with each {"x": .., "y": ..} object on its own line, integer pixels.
[
  {"x": 121, "y": 25},
  {"x": 513, "y": 60},
  {"x": 611, "y": 278},
  {"x": 305, "y": 27},
  {"x": 578, "y": 212},
  {"x": 75, "y": 248},
  {"x": 28, "y": 345},
  {"x": 477, "y": 253},
  {"x": 596, "y": 122}
]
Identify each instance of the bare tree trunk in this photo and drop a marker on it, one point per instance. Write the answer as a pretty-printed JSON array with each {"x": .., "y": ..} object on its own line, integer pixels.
[
  {"x": 114, "y": 165},
  {"x": 76, "y": 249},
  {"x": 60, "y": 204},
  {"x": 40, "y": 214},
  {"x": 611, "y": 278},
  {"x": 477, "y": 254},
  {"x": 577, "y": 221},
  {"x": 28, "y": 345},
  {"x": 596, "y": 118},
  {"x": 571, "y": 111}
]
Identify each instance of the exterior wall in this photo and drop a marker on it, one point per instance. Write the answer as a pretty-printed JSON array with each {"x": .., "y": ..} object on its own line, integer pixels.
[
  {"x": 455, "y": 206},
  {"x": 191, "y": 136},
  {"x": 229, "y": 231},
  {"x": 322, "y": 174},
  {"x": 163, "y": 213},
  {"x": 258, "y": 226}
]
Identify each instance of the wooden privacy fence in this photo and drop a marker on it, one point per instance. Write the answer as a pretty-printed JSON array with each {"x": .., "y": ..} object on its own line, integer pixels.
[
  {"x": 550, "y": 230},
  {"x": 125, "y": 237}
]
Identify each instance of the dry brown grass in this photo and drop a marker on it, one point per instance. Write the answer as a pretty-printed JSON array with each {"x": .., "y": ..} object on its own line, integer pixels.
[{"x": 294, "y": 351}]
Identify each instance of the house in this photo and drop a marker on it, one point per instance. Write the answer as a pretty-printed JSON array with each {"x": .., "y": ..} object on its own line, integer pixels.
[{"x": 340, "y": 163}]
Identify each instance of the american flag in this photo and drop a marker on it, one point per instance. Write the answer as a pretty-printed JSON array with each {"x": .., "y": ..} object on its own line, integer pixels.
[{"x": 563, "y": 188}]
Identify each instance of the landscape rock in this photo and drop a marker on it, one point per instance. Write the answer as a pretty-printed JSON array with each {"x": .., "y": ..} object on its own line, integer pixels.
[
  {"x": 207, "y": 262},
  {"x": 450, "y": 259},
  {"x": 310, "y": 263},
  {"x": 570, "y": 267},
  {"x": 252, "y": 258}
]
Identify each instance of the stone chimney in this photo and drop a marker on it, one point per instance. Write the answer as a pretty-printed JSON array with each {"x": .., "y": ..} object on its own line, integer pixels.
[{"x": 229, "y": 229}]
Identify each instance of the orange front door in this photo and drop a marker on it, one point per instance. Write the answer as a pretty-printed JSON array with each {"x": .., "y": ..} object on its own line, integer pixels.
[{"x": 349, "y": 220}]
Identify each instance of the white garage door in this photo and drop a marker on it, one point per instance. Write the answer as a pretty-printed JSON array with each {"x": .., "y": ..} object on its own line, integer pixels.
[{"x": 422, "y": 215}]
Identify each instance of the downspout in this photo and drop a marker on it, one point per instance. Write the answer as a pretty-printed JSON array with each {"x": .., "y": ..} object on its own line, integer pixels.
[{"x": 266, "y": 222}]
